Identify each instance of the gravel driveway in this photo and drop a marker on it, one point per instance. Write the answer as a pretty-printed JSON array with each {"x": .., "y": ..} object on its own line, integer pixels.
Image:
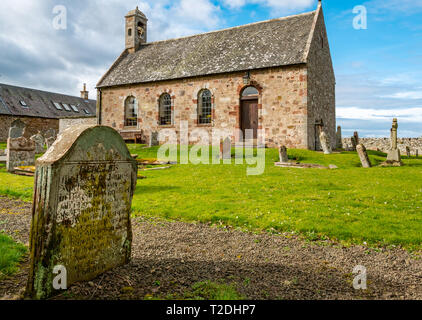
[{"x": 169, "y": 257}]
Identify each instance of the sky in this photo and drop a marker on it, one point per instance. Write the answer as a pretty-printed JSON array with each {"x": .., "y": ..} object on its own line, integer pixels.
[{"x": 378, "y": 68}]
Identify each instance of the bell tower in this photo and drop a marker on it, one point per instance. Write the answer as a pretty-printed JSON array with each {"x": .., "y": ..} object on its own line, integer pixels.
[{"x": 136, "y": 30}]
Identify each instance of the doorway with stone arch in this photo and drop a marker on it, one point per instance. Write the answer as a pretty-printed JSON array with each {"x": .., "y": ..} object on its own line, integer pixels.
[{"x": 249, "y": 99}]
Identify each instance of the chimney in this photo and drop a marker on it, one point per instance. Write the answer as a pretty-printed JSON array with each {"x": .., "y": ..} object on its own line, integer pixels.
[{"x": 84, "y": 93}]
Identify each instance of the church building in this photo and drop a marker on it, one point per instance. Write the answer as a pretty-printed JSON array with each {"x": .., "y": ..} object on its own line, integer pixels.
[{"x": 275, "y": 75}]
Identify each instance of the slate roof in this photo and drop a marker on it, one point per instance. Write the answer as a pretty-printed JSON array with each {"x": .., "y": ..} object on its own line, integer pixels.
[
  {"x": 271, "y": 43},
  {"x": 40, "y": 103}
]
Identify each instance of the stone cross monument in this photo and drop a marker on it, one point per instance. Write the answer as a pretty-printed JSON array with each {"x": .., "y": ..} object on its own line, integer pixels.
[{"x": 394, "y": 157}]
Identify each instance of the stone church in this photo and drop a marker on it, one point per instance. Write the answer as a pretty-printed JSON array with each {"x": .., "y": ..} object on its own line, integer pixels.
[{"x": 275, "y": 75}]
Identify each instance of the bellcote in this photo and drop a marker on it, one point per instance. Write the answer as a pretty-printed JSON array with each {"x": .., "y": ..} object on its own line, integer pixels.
[{"x": 136, "y": 29}]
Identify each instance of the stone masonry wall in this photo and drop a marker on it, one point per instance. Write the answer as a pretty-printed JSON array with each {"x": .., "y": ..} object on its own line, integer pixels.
[
  {"x": 282, "y": 103},
  {"x": 321, "y": 87},
  {"x": 33, "y": 125},
  {"x": 383, "y": 144}
]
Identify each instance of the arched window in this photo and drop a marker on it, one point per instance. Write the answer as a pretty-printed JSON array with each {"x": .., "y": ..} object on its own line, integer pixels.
[
  {"x": 131, "y": 112},
  {"x": 249, "y": 91},
  {"x": 204, "y": 107},
  {"x": 165, "y": 110}
]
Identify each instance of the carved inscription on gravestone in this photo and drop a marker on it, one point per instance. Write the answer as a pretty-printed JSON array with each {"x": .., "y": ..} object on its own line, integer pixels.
[{"x": 81, "y": 211}]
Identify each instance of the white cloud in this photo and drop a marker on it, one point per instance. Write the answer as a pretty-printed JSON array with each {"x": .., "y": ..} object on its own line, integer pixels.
[
  {"x": 278, "y": 7},
  {"x": 404, "y": 115}
]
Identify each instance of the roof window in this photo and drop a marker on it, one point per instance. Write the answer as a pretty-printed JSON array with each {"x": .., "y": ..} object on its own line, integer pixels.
[
  {"x": 74, "y": 108},
  {"x": 58, "y": 106},
  {"x": 66, "y": 106},
  {"x": 86, "y": 111},
  {"x": 23, "y": 104}
]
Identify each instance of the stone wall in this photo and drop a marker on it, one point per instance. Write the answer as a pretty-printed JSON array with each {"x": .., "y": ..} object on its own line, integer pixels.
[
  {"x": 282, "y": 104},
  {"x": 321, "y": 87},
  {"x": 33, "y": 125},
  {"x": 70, "y": 122},
  {"x": 383, "y": 144}
]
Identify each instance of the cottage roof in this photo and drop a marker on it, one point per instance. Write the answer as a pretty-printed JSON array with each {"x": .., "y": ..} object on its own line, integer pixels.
[
  {"x": 18, "y": 101},
  {"x": 272, "y": 43}
]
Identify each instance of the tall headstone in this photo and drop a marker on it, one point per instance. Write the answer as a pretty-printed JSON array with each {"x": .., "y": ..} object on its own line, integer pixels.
[
  {"x": 363, "y": 155},
  {"x": 325, "y": 143},
  {"x": 226, "y": 151},
  {"x": 339, "y": 139},
  {"x": 393, "y": 156},
  {"x": 417, "y": 153},
  {"x": 356, "y": 136},
  {"x": 20, "y": 151},
  {"x": 17, "y": 129},
  {"x": 153, "y": 139},
  {"x": 408, "y": 151},
  {"x": 83, "y": 192},
  {"x": 354, "y": 144},
  {"x": 39, "y": 142},
  {"x": 282, "y": 152}
]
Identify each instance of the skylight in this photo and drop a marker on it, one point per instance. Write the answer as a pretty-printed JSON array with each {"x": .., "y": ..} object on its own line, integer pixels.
[
  {"x": 58, "y": 106},
  {"x": 23, "y": 104},
  {"x": 74, "y": 108},
  {"x": 86, "y": 111},
  {"x": 66, "y": 106}
]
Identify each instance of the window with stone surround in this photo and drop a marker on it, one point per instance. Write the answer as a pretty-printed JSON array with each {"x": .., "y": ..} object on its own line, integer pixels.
[
  {"x": 131, "y": 112},
  {"x": 204, "y": 107},
  {"x": 165, "y": 112}
]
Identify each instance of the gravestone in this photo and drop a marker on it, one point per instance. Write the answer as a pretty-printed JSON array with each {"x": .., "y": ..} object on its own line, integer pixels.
[
  {"x": 354, "y": 144},
  {"x": 393, "y": 156},
  {"x": 282, "y": 152},
  {"x": 226, "y": 149},
  {"x": 17, "y": 129},
  {"x": 325, "y": 143},
  {"x": 356, "y": 136},
  {"x": 363, "y": 155},
  {"x": 408, "y": 152},
  {"x": 20, "y": 151},
  {"x": 49, "y": 142},
  {"x": 39, "y": 142},
  {"x": 81, "y": 212},
  {"x": 339, "y": 139},
  {"x": 417, "y": 153},
  {"x": 153, "y": 139}
]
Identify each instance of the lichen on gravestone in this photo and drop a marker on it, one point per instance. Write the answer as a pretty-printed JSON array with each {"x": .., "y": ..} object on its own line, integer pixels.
[{"x": 83, "y": 192}]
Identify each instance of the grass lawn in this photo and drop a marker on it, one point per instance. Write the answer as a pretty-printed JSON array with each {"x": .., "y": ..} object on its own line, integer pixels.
[
  {"x": 3, "y": 145},
  {"x": 380, "y": 206},
  {"x": 10, "y": 255}
]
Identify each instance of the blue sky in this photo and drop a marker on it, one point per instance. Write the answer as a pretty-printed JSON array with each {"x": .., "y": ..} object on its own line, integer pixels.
[{"x": 378, "y": 70}]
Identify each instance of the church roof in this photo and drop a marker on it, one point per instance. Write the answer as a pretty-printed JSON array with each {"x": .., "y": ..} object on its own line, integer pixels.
[
  {"x": 272, "y": 43},
  {"x": 19, "y": 101}
]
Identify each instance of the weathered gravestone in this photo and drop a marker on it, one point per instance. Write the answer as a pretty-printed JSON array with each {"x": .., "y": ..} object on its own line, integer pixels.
[
  {"x": 393, "y": 156},
  {"x": 408, "y": 151},
  {"x": 282, "y": 152},
  {"x": 17, "y": 129},
  {"x": 153, "y": 139},
  {"x": 226, "y": 148},
  {"x": 39, "y": 142},
  {"x": 325, "y": 143},
  {"x": 417, "y": 153},
  {"x": 20, "y": 151},
  {"x": 363, "y": 155},
  {"x": 339, "y": 139},
  {"x": 81, "y": 212},
  {"x": 356, "y": 137}
]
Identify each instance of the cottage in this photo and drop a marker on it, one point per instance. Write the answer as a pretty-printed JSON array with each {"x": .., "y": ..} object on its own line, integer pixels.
[
  {"x": 42, "y": 111},
  {"x": 275, "y": 75}
]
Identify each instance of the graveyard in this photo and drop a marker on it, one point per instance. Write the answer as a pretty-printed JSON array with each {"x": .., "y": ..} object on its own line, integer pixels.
[{"x": 345, "y": 207}]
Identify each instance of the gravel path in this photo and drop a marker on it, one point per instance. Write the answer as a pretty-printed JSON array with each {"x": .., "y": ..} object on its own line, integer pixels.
[{"x": 169, "y": 257}]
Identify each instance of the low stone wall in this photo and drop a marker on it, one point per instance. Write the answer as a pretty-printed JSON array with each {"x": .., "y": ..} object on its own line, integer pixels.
[
  {"x": 383, "y": 144},
  {"x": 70, "y": 122},
  {"x": 33, "y": 125}
]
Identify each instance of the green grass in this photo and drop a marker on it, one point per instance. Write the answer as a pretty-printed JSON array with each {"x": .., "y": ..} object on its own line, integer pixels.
[
  {"x": 380, "y": 206},
  {"x": 3, "y": 145},
  {"x": 209, "y": 290},
  {"x": 11, "y": 254}
]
